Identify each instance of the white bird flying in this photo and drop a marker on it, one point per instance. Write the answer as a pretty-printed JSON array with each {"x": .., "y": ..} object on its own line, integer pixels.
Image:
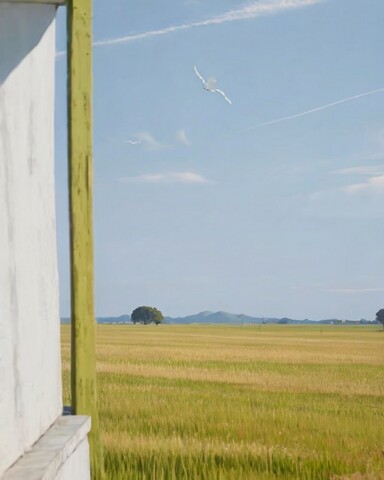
[
  {"x": 132, "y": 142},
  {"x": 210, "y": 84}
]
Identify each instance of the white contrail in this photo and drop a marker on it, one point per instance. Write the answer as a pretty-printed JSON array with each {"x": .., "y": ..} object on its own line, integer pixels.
[
  {"x": 253, "y": 10},
  {"x": 354, "y": 290},
  {"x": 317, "y": 109}
]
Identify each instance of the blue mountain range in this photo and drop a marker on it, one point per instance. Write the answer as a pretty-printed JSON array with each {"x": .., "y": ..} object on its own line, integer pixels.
[{"x": 220, "y": 317}]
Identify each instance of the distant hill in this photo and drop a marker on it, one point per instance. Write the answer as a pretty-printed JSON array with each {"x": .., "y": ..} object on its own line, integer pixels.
[
  {"x": 239, "y": 319},
  {"x": 121, "y": 319},
  {"x": 106, "y": 320},
  {"x": 213, "y": 318}
]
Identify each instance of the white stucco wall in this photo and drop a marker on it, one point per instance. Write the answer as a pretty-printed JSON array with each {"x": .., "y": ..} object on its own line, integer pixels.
[{"x": 30, "y": 378}]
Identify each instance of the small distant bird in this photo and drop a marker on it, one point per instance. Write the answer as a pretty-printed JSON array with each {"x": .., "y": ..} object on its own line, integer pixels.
[
  {"x": 210, "y": 84},
  {"x": 132, "y": 142}
]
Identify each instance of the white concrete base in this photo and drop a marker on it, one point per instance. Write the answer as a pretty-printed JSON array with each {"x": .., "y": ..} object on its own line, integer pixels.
[{"x": 62, "y": 453}]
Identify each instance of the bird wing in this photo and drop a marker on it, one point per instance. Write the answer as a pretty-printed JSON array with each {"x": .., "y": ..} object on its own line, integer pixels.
[
  {"x": 223, "y": 94},
  {"x": 198, "y": 74},
  {"x": 132, "y": 142}
]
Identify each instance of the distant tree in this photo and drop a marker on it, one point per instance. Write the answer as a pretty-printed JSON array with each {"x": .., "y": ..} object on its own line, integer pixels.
[
  {"x": 380, "y": 316},
  {"x": 146, "y": 315}
]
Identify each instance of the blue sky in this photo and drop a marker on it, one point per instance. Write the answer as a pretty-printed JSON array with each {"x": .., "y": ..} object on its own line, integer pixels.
[{"x": 224, "y": 206}]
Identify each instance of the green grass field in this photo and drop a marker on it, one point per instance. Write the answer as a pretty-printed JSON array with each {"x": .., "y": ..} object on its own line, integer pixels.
[{"x": 252, "y": 402}]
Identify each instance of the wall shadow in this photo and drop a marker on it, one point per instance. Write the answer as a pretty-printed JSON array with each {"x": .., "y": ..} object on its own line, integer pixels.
[{"x": 21, "y": 29}]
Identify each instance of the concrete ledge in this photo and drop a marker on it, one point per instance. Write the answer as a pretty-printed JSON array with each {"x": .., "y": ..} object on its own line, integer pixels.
[{"x": 52, "y": 450}]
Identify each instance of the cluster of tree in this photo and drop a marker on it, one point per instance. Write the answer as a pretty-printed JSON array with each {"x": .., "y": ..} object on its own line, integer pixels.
[
  {"x": 380, "y": 316},
  {"x": 146, "y": 315}
]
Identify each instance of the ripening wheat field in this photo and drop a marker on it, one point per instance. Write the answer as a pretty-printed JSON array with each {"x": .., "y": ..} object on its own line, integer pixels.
[{"x": 253, "y": 402}]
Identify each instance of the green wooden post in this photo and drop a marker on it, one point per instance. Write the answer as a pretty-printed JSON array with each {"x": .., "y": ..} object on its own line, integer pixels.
[{"x": 83, "y": 356}]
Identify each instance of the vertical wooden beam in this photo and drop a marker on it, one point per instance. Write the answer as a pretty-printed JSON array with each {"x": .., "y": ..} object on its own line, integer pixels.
[{"x": 83, "y": 356}]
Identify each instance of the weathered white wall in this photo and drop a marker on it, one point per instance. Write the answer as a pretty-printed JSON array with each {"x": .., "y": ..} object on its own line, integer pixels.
[{"x": 30, "y": 385}]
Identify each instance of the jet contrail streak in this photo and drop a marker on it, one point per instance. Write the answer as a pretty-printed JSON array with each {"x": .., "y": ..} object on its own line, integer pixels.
[
  {"x": 249, "y": 11},
  {"x": 252, "y": 10},
  {"x": 317, "y": 109}
]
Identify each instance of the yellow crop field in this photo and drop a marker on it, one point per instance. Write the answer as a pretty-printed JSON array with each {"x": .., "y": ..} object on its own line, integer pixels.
[{"x": 239, "y": 402}]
